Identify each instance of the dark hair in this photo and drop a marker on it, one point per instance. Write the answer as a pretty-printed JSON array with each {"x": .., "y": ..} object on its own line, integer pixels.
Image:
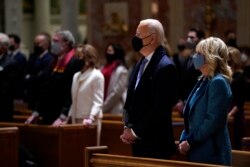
[
  {"x": 16, "y": 38},
  {"x": 119, "y": 52},
  {"x": 200, "y": 34},
  {"x": 229, "y": 32}
]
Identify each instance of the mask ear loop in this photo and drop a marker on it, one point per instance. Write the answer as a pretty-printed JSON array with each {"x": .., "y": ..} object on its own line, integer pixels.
[{"x": 147, "y": 37}]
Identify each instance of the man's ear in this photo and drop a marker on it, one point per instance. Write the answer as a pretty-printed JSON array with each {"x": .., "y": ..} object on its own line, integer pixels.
[{"x": 154, "y": 38}]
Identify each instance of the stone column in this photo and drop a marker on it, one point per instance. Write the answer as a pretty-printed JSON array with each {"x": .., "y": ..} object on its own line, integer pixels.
[
  {"x": 2, "y": 24},
  {"x": 69, "y": 16},
  {"x": 176, "y": 22},
  {"x": 89, "y": 21},
  {"x": 42, "y": 15},
  {"x": 13, "y": 16},
  {"x": 146, "y": 9},
  {"x": 243, "y": 22}
]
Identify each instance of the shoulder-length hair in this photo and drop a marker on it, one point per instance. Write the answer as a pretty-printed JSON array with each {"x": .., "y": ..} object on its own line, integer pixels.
[{"x": 216, "y": 55}]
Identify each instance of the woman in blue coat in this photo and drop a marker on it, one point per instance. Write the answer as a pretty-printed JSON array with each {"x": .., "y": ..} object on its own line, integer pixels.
[{"x": 206, "y": 138}]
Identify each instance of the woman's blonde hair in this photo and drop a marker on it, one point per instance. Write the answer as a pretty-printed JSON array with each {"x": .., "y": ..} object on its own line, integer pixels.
[{"x": 216, "y": 55}]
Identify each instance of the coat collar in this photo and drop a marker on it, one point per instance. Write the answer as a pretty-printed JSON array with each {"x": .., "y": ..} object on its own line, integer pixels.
[
  {"x": 85, "y": 75},
  {"x": 202, "y": 86}
]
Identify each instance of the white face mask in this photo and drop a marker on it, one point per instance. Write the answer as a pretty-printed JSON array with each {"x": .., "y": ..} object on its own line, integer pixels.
[{"x": 56, "y": 49}]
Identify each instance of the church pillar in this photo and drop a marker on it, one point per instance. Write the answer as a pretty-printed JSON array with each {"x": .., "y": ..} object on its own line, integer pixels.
[
  {"x": 42, "y": 15},
  {"x": 243, "y": 22},
  {"x": 13, "y": 16},
  {"x": 146, "y": 9},
  {"x": 69, "y": 16},
  {"x": 176, "y": 22},
  {"x": 89, "y": 21}
]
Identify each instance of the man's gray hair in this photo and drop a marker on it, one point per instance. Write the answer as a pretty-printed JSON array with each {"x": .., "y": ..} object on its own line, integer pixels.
[
  {"x": 4, "y": 39},
  {"x": 155, "y": 26},
  {"x": 67, "y": 36}
]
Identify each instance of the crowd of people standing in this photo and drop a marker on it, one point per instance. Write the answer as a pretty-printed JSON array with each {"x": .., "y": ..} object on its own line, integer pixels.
[{"x": 205, "y": 82}]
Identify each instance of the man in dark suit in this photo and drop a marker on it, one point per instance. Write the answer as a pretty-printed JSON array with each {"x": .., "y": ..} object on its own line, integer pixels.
[
  {"x": 38, "y": 69},
  {"x": 8, "y": 74},
  {"x": 55, "y": 96},
  {"x": 21, "y": 63},
  {"x": 151, "y": 96}
]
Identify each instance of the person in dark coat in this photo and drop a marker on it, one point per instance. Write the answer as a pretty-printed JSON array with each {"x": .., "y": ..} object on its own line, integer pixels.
[
  {"x": 55, "y": 98},
  {"x": 8, "y": 74},
  {"x": 38, "y": 68},
  {"x": 239, "y": 87},
  {"x": 151, "y": 96},
  {"x": 21, "y": 60}
]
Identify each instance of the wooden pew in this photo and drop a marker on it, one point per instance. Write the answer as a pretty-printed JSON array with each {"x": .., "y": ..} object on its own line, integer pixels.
[
  {"x": 246, "y": 143},
  {"x": 111, "y": 131},
  {"x": 240, "y": 158},
  {"x": 9, "y": 147},
  {"x": 20, "y": 118},
  {"x": 113, "y": 117},
  {"x": 56, "y": 146},
  {"x": 231, "y": 128},
  {"x": 98, "y": 157},
  {"x": 110, "y": 136},
  {"x": 21, "y": 108},
  {"x": 247, "y": 107}
]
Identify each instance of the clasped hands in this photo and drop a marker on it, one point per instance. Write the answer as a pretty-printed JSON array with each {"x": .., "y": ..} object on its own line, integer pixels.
[
  {"x": 184, "y": 147},
  {"x": 127, "y": 136}
]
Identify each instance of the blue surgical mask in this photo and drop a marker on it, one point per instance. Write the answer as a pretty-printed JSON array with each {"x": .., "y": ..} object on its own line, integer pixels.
[{"x": 198, "y": 61}]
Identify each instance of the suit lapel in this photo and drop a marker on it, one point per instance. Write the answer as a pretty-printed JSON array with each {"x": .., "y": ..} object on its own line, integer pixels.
[
  {"x": 203, "y": 86},
  {"x": 201, "y": 91},
  {"x": 150, "y": 69}
]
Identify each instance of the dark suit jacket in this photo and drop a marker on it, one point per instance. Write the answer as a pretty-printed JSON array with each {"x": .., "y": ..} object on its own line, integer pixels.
[
  {"x": 148, "y": 109},
  {"x": 8, "y": 73},
  {"x": 206, "y": 122},
  {"x": 38, "y": 70},
  {"x": 56, "y": 93},
  {"x": 20, "y": 78}
]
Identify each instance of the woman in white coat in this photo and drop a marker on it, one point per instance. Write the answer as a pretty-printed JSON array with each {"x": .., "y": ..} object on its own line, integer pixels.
[{"x": 87, "y": 91}]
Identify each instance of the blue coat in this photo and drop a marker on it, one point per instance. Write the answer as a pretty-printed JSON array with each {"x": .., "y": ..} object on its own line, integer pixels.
[{"x": 205, "y": 116}]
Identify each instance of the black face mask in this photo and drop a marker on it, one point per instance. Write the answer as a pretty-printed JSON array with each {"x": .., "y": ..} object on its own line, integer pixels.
[
  {"x": 138, "y": 44},
  {"x": 231, "y": 42},
  {"x": 110, "y": 57},
  {"x": 38, "y": 50},
  {"x": 80, "y": 63},
  {"x": 181, "y": 47},
  {"x": 11, "y": 47}
]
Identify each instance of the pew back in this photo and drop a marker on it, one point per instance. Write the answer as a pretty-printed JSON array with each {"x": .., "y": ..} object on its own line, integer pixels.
[
  {"x": 56, "y": 146},
  {"x": 240, "y": 158},
  {"x": 110, "y": 136},
  {"x": 111, "y": 131},
  {"x": 98, "y": 157},
  {"x": 9, "y": 147}
]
